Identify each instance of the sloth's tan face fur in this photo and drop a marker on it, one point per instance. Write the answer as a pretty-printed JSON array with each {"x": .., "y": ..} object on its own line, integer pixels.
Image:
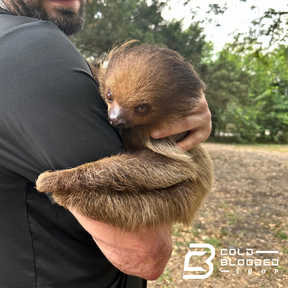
[{"x": 128, "y": 111}]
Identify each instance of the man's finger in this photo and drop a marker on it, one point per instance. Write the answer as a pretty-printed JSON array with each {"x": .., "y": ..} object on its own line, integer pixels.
[{"x": 192, "y": 140}]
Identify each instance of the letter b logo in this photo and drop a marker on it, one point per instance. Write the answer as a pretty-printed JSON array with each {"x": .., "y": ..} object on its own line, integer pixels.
[{"x": 197, "y": 269}]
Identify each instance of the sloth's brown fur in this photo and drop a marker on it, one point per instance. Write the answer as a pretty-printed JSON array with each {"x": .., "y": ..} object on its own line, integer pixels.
[{"x": 155, "y": 182}]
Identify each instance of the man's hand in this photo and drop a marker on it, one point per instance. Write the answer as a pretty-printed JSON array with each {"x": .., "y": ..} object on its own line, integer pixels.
[
  {"x": 199, "y": 124},
  {"x": 143, "y": 254}
]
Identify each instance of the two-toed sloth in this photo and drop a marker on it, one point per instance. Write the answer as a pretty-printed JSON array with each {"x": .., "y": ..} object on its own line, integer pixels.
[{"x": 155, "y": 182}]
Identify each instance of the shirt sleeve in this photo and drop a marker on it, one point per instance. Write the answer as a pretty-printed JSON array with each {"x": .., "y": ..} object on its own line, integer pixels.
[{"x": 52, "y": 115}]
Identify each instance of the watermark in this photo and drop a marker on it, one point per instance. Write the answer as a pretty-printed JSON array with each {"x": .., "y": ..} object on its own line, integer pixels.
[
  {"x": 226, "y": 262},
  {"x": 198, "y": 253}
]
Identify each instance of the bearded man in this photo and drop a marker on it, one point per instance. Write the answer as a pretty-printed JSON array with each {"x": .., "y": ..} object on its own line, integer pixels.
[{"x": 52, "y": 117}]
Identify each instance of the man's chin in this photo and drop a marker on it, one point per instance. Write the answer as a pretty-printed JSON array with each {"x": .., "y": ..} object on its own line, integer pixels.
[
  {"x": 68, "y": 21},
  {"x": 68, "y": 15}
]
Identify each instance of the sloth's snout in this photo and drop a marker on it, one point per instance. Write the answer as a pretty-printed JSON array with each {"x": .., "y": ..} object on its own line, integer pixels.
[
  {"x": 117, "y": 122},
  {"x": 116, "y": 116}
]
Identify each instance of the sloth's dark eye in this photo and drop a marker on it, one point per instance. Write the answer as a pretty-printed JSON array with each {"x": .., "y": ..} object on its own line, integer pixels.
[
  {"x": 141, "y": 110},
  {"x": 109, "y": 96}
]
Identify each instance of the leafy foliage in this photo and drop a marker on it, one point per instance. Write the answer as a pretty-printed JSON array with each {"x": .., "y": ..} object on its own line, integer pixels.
[
  {"x": 247, "y": 87},
  {"x": 272, "y": 24},
  {"x": 112, "y": 22},
  {"x": 262, "y": 112},
  {"x": 227, "y": 84}
]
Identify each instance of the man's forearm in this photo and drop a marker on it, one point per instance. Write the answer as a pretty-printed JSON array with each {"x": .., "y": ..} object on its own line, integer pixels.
[{"x": 143, "y": 254}]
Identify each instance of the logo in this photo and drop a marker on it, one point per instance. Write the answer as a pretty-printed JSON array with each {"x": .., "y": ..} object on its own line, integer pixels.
[
  {"x": 188, "y": 268},
  {"x": 247, "y": 261}
]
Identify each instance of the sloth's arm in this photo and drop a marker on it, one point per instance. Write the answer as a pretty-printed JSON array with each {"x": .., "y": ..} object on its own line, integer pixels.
[
  {"x": 132, "y": 191},
  {"x": 145, "y": 170}
]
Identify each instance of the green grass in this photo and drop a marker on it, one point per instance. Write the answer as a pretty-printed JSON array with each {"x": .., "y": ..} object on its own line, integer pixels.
[
  {"x": 175, "y": 232},
  {"x": 195, "y": 232},
  {"x": 224, "y": 232},
  {"x": 214, "y": 242},
  {"x": 166, "y": 275},
  {"x": 281, "y": 234},
  {"x": 178, "y": 243},
  {"x": 284, "y": 250},
  {"x": 232, "y": 217}
]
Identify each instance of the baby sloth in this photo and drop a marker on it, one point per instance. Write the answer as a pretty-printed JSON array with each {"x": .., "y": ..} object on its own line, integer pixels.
[{"x": 155, "y": 182}]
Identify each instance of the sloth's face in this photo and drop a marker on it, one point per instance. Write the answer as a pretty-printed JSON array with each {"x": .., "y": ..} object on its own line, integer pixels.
[
  {"x": 148, "y": 86},
  {"x": 128, "y": 113}
]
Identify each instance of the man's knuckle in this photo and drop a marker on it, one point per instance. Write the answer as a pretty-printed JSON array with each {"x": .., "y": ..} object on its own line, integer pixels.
[{"x": 186, "y": 123}]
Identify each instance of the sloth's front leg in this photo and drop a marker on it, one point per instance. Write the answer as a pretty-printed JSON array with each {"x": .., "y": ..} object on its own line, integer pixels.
[
  {"x": 124, "y": 173},
  {"x": 131, "y": 191}
]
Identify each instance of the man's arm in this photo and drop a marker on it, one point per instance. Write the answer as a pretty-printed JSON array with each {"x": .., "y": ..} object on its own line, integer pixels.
[{"x": 143, "y": 254}]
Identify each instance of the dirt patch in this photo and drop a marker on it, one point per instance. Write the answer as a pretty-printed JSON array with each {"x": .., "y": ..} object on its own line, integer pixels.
[{"x": 247, "y": 209}]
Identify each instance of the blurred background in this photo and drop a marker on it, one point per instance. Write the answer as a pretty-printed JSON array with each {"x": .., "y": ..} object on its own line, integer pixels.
[{"x": 240, "y": 50}]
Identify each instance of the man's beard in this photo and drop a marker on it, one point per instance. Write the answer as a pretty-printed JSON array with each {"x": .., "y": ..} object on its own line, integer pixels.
[{"x": 66, "y": 19}]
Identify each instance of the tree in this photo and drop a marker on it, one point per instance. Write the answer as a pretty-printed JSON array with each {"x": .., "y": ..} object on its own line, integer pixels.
[
  {"x": 227, "y": 87},
  {"x": 259, "y": 112},
  {"x": 269, "y": 91},
  {"x": 256, "y": 107},
  {"x": 272, "y": 24},
  {"x": 274, "y": 28},
  {"x": 110, "y": 22}
]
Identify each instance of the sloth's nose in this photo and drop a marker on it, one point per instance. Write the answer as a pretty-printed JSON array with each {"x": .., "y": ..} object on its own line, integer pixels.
[
  {"x": 115, "y": 115},
  {"x": 117, "y": 122}
]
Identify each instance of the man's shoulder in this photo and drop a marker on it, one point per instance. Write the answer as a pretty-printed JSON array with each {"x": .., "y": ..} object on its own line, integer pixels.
[
  {"x": 12, "y": 22},
  {"x": 22, "y": 31},
  {"x": 24, "y": 38},
  {"x": 17, "y": 25}
]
